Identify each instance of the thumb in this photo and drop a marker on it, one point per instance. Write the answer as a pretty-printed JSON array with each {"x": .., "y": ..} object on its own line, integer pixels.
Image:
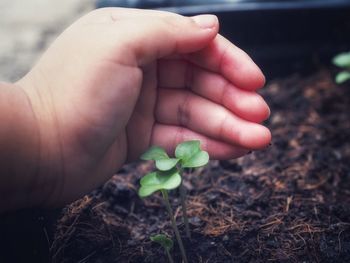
[{"x": 153, "y": 37}]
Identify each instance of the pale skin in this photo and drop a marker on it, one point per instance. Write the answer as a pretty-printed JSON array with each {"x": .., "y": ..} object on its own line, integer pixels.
[{"x": 114, "y": 83}]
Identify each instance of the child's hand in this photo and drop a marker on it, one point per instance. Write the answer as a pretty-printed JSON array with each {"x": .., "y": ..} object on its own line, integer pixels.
[{"x": 120, "y": 80}]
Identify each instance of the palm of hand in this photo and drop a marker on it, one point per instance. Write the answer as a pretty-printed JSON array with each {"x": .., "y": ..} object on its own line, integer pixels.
[{"x": 113, "y": 100}]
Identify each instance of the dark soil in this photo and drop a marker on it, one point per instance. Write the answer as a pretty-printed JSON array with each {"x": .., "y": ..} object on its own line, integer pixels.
[{"x": 287, "y": 203}]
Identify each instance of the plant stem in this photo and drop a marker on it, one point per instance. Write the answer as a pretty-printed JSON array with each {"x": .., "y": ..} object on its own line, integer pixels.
[
  {"x": 173, "y": 223},
  {"x": 184, "y": 209},
  {"x": 169, "y": 256}
]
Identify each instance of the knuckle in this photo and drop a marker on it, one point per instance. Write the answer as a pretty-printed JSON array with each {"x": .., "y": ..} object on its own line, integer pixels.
[{"x": 178, "y": 22}]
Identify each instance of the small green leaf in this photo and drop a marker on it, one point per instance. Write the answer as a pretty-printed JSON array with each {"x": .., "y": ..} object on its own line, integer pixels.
[
  {"x": 341, "y": 77},
  {"x": 159, "y": 155},
  {"x": 191, "y": 155},
  {"x": 149, "y": 179},
  {"x": 342, "y": 60},
  {"x": 154, "y": 153},
  {"x": 159, "y": 180},
  {"x": 199, "y": 159},
  {"x": 166, "y": 164},
  {"x": 163, "y": 240},
  {"x": 187, "y": 149}
]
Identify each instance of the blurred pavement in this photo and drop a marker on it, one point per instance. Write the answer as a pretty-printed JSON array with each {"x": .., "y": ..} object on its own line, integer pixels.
[{"x": 27, "y": 27}]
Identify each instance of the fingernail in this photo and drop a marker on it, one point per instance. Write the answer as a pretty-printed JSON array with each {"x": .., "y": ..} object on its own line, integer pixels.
[
  {"x": 268, "y": 112},
  {"x": 205, "y": 21}
]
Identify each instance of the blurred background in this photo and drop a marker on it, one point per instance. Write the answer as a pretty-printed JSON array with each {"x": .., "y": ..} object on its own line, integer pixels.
[
  {"x": 282, "y": 36},
  {"x": 28, "y": 27}
]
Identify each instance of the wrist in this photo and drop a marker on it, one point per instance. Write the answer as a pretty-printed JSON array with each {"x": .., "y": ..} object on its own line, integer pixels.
[
  {"x": 49, "y": 165},
  {"x": 19, "y": 148}
]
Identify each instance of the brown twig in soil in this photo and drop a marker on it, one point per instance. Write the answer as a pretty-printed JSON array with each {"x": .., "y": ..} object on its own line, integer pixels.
[
  {"x": 288, "y": 202},
  {"x": 272, "y": 225}
]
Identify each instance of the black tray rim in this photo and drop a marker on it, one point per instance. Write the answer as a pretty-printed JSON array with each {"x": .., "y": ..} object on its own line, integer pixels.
[
  {"x": 239, "y": 6},
  {"x": 259, "y": 6}
]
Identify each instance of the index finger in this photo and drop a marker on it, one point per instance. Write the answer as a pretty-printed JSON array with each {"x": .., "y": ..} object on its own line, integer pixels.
[{"x": 223, "y": 57}]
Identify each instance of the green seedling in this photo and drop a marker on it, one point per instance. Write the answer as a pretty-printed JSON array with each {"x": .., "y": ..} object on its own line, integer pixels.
[
  {"x": 343, "y": 61},
  {"x": 187, "y": 155},
  {"x": 166, "y": 243},
  {"x": 169, "y": 176},
  {"x": 163, "y": 181}
]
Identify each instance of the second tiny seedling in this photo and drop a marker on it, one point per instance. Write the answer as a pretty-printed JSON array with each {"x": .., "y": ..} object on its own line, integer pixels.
[{"x": 166, "y": 243}]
